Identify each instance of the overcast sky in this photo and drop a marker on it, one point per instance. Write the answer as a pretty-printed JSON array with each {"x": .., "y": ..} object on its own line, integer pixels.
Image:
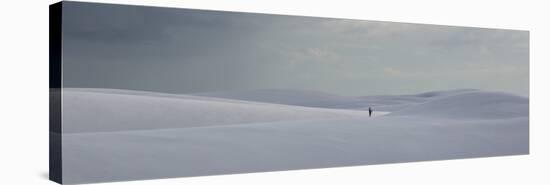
[{"x": 190, "y": 51}]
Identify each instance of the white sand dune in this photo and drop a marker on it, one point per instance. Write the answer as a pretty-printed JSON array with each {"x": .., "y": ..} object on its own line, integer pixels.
[
  {"x": 472, "y": 105},
  {"x": 194, "y": 136},
  {"x": 324, "y": 100},
  {"x": 286, "y": 97},
  {"x": 100, "y": 111}
]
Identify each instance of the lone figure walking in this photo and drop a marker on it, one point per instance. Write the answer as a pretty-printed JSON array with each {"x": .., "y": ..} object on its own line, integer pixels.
[{"x": 370, "y": 111}]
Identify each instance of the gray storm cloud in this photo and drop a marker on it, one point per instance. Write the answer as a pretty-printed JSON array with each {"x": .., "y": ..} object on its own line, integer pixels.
[{"x": 189, "y": 51}]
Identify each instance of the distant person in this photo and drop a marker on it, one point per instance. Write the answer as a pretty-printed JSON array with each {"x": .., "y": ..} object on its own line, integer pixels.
[{"x": 370, "y": 111}]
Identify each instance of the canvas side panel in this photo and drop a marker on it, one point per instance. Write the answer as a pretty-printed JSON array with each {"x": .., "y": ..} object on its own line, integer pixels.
[{"x": 55, "y": 164}]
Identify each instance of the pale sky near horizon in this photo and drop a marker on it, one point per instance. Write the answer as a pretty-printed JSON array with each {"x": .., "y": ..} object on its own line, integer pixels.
[{"x": 190, "y": 51}]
